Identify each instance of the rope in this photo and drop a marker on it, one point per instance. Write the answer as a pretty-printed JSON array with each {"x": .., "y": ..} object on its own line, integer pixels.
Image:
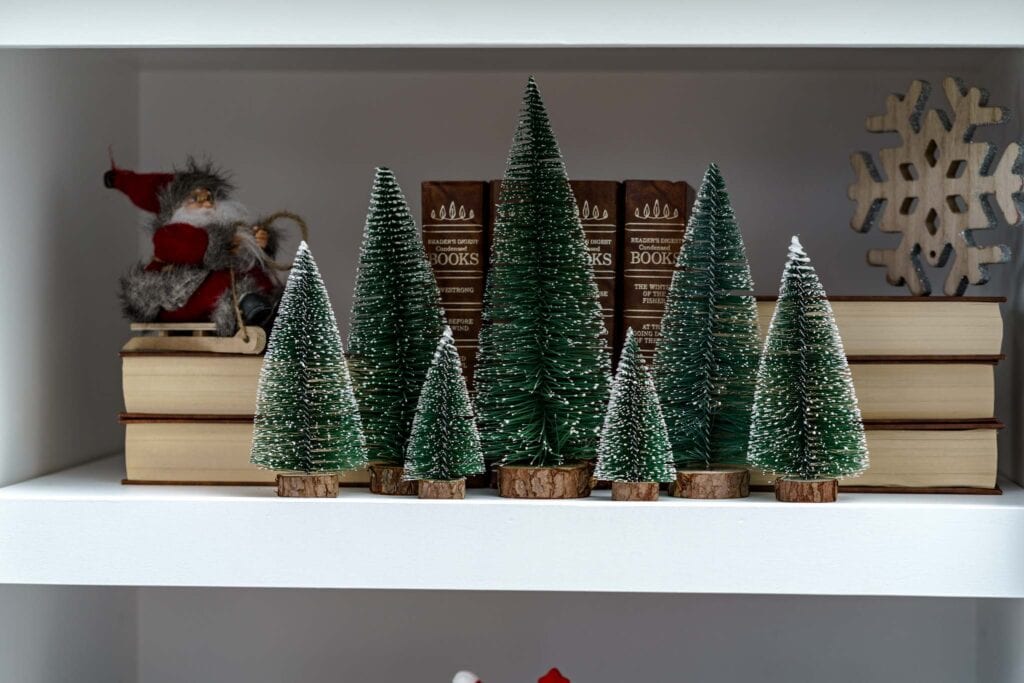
[{"x": 238, "y": 310}]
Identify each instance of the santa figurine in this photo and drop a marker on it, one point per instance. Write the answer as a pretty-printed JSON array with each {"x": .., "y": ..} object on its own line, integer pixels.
[{"x": 210, "y": 263}]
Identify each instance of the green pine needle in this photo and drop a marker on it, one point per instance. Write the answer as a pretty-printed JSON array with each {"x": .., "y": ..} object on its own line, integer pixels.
[
  {"x": 306, "y": 419},
  {"x": 706, "y": 359},
  {"x": 634, "y": 442},
  {"x": 806, "y": 423},
  {"x": 542, "y": 374},
  {"x": 444, "y": 444},
  {"x": 395, "y": 323}
]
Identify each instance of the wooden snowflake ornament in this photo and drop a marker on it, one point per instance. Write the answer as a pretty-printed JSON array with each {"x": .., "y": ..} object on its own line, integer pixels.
[{"x": 937, "y": 187}]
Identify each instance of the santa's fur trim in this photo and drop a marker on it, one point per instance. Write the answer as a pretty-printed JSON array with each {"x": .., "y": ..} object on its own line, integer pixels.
[
  {"x": 219, "y": 248},
  {"x": 144, "y": 293},
  {"x": 194, "y": 175}
]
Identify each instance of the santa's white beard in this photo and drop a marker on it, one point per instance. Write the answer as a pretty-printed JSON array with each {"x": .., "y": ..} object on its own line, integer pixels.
[{"x": 223, "y": 212}]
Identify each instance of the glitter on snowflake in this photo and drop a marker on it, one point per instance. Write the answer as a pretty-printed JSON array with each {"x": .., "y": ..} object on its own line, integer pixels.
[{"x": 936, "y": 188}]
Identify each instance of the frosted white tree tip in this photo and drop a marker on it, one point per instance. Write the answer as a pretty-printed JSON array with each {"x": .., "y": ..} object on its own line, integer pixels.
[{"x": 465, "y": 677}]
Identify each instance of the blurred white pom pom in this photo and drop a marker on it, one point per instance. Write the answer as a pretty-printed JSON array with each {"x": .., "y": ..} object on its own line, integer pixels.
[{"x": 466, "y": 677}]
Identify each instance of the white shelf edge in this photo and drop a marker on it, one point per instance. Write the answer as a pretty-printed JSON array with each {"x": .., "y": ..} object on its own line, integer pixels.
[
  {"x": 534, "y": 23},
  {"x": 82, "y": 527}
]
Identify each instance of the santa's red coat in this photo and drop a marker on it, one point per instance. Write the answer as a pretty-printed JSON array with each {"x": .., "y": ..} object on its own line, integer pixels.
[{"x": 184, "y": 244}]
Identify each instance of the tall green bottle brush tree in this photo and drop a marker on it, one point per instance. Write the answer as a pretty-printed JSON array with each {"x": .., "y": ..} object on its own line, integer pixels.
[
  {"x": 806, "y": 425},
  {"x": 307, "y": 424},
  {"x": 394, "y": 327},
  {"x": 706, "y": 359},
  {"x": 543, "y": 374}
]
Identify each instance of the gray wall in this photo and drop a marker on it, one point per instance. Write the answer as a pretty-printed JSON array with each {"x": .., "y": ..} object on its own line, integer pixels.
[
  {"x": 267, "y": 636},
  {"x": 64, "y": 245}
]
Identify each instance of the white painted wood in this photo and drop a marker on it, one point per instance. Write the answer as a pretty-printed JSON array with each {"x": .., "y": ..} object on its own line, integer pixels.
[
  {"x": 524, "y": 23},
  {"x": 67, "y": 244},
  {"x": 81, "y": 526}
]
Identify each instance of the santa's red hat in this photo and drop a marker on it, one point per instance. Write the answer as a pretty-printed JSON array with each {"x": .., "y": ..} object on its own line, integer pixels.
[
  {"x": 553, "y": 676},
  {"x": 142, "y": 188}
]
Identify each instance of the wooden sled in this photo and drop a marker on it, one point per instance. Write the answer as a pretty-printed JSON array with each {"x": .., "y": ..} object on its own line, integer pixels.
[{"x": 194, "y": 338}]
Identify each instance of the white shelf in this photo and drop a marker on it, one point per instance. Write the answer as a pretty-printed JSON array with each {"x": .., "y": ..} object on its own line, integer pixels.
[
  {"x": 81, "y": 526},
  {"x": 529, "y": 23}
]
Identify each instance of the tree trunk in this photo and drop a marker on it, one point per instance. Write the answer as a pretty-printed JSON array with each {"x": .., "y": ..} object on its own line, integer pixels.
[
  {"x": 387, "y": 480},
  {"x": 806, "y": 491},
  {"x": 441, "y": 489},
  {"x": 564, "y": 481},
  {"x": 635, "y": 490},
  {"x": 307, "y": 485},
  {"x": 713, "y": 484}
]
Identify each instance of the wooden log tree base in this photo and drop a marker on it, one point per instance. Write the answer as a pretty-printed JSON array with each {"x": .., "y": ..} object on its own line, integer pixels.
[
  {"x": 635, "y": 490},
  {"x": 307, "y": 485},
  {"x": 387, "y": 480},
  {"x": 715, "y": 484},
  {"x": 564, "y": 481},
  {"x": 442, "y": 489},
  {"x": 806, "y": 491}
]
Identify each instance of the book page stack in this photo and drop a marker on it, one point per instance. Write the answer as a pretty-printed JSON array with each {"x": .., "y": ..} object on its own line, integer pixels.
[{"x": 188, "y": 418}]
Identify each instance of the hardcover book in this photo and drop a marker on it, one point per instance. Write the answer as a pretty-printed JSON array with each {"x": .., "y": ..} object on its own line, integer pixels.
[
  {"x": 454, "y": 235},
  {"x": 925, "y": 455},
  {"x": 184, "y": 449},
  {"x": 654, "y": 221}
]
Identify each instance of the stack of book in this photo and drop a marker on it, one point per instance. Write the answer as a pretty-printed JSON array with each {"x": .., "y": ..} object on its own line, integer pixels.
[
  {"x": 924, "y": 372},
  {"x": 188, "y": 418},
  {"x": 923, "y": 367}
]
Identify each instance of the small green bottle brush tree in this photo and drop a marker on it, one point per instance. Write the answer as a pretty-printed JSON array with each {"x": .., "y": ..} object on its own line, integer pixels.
[
  {"x": 634, "y": 452},
  {"x": 307, "y": 424},
  {"x": 806, "y": 427},
  {"x": 543, "y": 374},
  {"x": 706, "y": 359},
  {"x": 444, "y": 447},
  {"x": 394, "y": 327}
]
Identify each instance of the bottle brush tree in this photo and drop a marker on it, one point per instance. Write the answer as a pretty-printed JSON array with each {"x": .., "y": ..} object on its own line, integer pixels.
[
  {"x": 307, "y": 420},
  {"x": 706, "y": 360},
  {"x": 395, "y": 323},
  {"x": 543, "y": 373},
  {"x": 444, "y": 447},
  {"x": 634, "y": 446},
  {"x": 806, "y": 424}
]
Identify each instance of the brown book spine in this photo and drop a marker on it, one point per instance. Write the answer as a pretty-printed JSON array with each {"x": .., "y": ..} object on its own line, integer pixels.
[
  {"x": 455, "y": 238},
  {"x": 599, "y": 206},
  {"x": 654, "y": 221}
]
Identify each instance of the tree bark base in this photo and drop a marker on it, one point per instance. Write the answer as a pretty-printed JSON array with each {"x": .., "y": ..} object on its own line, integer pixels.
[
  {"x": 440, "y": 489},
  {"x": 718, "y": 483},
  {"x": 387, "y": 481},
  {"x": 307, "y": 485},
  {"x": 806, "y": 491},
  {"x": 635, "y": 490},
  {"x": 564, "y": 481}
]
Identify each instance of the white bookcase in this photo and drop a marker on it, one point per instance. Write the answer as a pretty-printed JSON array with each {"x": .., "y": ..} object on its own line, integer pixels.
[{"x": 152, "y": 584}]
